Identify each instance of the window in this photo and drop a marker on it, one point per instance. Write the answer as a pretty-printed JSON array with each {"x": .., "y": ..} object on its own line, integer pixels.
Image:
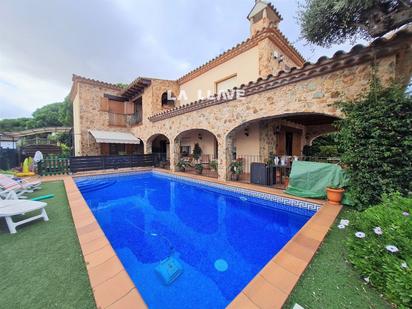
[
  {"x": 184, "y": 150},
  {"x": 166, "y": 102},
  {"x": 115, "y": 149},
  {"x": 227, "y": 83}
]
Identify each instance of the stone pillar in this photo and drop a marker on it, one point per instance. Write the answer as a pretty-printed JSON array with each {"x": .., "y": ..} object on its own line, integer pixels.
[
  {"x": 147, "y": 147},
  {"x": 267, "y": 138},
  {"x": 174, "y": 153},
  {"x": 225, "y": 155}
]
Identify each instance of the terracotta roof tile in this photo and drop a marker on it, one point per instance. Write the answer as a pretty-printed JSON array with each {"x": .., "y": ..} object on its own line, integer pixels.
[
  {"x": 358, "y": 54},
  {"x": 248, "y": 43}
]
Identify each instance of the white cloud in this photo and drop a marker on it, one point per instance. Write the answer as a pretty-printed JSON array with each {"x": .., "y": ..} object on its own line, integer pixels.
[
  {"x": 43, "y": 43},
  {"x": 21, "y": 93}
]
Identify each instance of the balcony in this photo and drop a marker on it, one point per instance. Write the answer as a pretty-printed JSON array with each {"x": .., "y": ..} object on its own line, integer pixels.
[
  {"x": 118, "y": 120},
  {"x": 134, "y": 119}
]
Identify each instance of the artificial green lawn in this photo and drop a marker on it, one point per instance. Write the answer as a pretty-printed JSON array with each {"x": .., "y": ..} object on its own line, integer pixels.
[
  {"x": 330, "y": 281},
  {"x": 42, "y": 266}
]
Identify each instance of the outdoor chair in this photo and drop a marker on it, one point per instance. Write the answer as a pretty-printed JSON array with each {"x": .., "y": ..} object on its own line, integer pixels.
[
  {"x": 205, "y": 160},
  {"x": 8, "y": 183},
  {"x": 9, "y": 208}
]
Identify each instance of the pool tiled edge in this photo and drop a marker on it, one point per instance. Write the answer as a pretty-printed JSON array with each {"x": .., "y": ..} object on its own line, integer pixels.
[
  {"x": 111, "y": 285},
  {"x": 113, "y": 288},
  {"x": 272, "y": 285}
]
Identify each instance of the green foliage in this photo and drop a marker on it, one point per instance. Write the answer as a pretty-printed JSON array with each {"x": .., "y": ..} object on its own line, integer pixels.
[
  {"x": 65, "y": 150},
  {"x": 330, "y": 282},
  {"x": 326, "y": 22},
  {"x": 199, "y": 168},
  {"x": 122, "y": 85},
  {"x": 236, "y": 167},
  {"x": 390, "y": 273},
  {"x": 376, "y": 137},
  {"x": 214, "y": 165},
  {"x": 51, "y": 115},
  {"x": 182, "y": 164},
  {"x": 197, "y": 151},
  {"x": 18, "y": 124},
  {"x": 323, "y": 147}
]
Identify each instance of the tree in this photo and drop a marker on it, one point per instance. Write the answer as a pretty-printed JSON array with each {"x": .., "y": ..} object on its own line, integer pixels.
[
  {"x": 326, "y": 22},
  {"x": 51, "y": 115},
  {"x": 197, "y": 151},
  {"x": 46, "y": 116},
  {"x": 122, "y": 85},
  {"x": 9, "y": 125},
  {"x": 376, "y": 139}
]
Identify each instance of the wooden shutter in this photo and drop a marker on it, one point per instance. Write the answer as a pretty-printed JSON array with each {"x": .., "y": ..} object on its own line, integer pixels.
[
  {"x": 104, "y": 105},
  {"x": 129, "y": 108}
]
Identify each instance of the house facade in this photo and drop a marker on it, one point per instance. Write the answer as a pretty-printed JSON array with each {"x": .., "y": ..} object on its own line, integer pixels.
[{"x": 256, "y": 99}]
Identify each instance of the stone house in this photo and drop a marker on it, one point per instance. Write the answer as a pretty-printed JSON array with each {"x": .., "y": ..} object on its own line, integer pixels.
[{"x": 257, "y": 98}]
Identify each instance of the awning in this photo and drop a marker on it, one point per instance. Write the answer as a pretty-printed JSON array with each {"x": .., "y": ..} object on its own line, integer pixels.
[{"x": 114, "y": 137}]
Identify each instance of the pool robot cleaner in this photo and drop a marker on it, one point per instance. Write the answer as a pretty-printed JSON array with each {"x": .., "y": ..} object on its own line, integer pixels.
[{"x": 168, "y": 269}]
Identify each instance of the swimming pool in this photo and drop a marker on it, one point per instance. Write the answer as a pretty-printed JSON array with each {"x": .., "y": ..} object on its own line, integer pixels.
[{"x": 221, "y": 236}]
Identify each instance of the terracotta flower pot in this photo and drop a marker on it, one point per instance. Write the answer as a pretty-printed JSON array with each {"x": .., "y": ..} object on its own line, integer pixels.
[{"x": 335, "y": 195}]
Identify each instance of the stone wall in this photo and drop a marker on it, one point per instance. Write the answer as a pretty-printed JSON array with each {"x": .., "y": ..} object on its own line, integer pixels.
[
  {"x": 152, "y": 97},
  {"x": 267, "y": 63},
  {"x": 92, "y": 118},
  {"x": 314, "y": 95}
]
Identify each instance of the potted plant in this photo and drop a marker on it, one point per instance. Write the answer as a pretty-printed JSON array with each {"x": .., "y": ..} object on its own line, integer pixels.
[
  {"x": 213, "y": 165},
  {"x": 197, "y": 152},
  {"x": 334, "y": 194},
  {"x": 236, "y": 168},
  {"x": 199, "y": 168},
  {"x": 181, "y": 165}
]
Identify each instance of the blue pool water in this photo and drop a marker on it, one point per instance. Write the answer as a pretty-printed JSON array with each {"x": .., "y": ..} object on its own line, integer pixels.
[{"x": 221, "y": 238}]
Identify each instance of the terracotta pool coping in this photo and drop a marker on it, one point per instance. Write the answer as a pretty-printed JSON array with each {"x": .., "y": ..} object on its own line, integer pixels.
[{"x": 113, "y": 288}]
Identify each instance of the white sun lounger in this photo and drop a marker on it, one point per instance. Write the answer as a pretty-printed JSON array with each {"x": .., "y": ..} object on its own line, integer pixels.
[
  {"x": 12, "y": 194},
  {"x": 9, "y": 183},
  {"x": 9, "y": 208}
]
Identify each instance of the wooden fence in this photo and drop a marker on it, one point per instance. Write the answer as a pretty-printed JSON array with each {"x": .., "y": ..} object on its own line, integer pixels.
[
  {"x": 53, "y": 166},
  {"x": 90, "y": 163}
]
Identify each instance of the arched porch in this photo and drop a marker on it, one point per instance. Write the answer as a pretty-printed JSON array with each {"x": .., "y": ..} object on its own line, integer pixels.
[
  {"x": 283, "y": 136},
  {"x": 159, "y": 144},
  {"x": 197, "y": 152}
]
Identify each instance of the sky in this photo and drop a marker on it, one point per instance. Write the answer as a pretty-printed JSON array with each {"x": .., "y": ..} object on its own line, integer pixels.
[{"x": 42, "y": 43}]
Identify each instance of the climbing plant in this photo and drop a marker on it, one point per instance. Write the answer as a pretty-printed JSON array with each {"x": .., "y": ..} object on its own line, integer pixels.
[{"x": 376, "y": 138}]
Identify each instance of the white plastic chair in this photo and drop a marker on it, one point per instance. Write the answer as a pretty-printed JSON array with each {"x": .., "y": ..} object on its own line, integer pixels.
[{"x": 9, "y": 208}]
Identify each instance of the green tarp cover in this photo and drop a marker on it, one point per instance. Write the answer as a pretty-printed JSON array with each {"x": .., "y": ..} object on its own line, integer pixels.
[{"x": 310, "y": 179}]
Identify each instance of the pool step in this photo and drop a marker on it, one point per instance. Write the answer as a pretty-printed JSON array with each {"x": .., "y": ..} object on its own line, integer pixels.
[{"x": 90, "y": 186}]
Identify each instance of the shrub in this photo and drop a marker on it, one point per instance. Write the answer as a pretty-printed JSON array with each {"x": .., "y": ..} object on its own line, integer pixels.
[
  {"x": 376, "y": 140},
  {"x": 181, "y": 165},
  {"x": 197, "y": 151},
  {"x": 214, "y": 165},
  {"x": 389, "y": 272},
  {"x": 199, "y": 168},
  {"x": 236, "y": 167}
]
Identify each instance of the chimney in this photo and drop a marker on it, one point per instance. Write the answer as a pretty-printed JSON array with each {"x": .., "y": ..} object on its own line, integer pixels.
[{"x": 263, "y": 15}]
